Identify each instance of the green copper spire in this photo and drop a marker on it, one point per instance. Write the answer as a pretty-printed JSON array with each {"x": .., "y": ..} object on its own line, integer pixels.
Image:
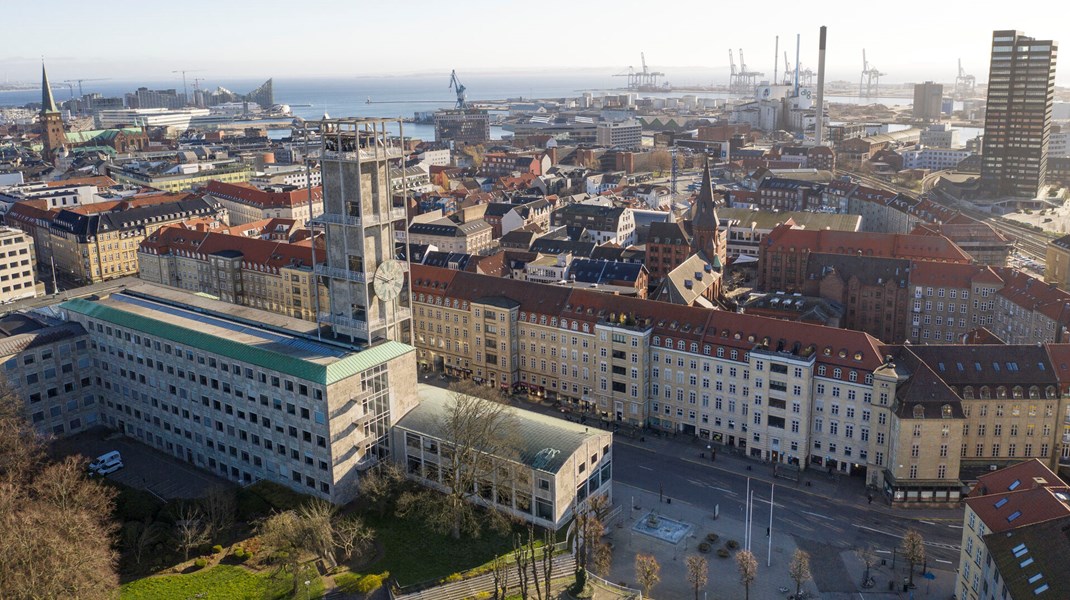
[{"x": 48, "y": 103}]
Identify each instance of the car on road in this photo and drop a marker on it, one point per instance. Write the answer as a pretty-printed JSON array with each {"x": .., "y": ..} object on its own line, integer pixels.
[{"x": 106, "y": 463}]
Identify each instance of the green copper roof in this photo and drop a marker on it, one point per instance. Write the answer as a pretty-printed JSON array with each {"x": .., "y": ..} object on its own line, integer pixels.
[
  {"x": 327, "y": 374},
  {"x": 99, "y": 135},
  {"x": 48, "y": 104}
]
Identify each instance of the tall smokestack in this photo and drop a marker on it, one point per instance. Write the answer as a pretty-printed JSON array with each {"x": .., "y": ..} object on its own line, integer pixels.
[
  {"x": 798, "y": 43},
  {"x": 819, "y": 129},
  {"x": 776, "y": 61}
]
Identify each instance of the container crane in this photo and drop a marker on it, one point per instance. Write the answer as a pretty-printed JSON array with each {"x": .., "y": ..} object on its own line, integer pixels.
[
  {"x": 734, "y": 84},
  {"x": 870, "y": 80},
  {"x": 748, "y": 79},
  {"x": 964, "y": 84},
  {"x": 458, "y": 87}
]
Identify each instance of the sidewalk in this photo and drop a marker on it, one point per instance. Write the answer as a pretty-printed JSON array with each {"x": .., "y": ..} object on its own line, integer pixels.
[{"x": 838, "y": 488}]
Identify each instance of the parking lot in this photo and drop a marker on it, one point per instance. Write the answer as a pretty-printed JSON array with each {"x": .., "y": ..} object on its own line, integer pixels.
[{"x": 143, "y": 467}]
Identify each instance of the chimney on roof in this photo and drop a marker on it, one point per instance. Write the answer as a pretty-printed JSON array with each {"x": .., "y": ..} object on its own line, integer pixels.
[{"x": 1039, "y": 482}]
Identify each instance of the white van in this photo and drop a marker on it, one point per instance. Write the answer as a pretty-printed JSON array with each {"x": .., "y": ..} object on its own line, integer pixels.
[{"x": 106, "y": 463}]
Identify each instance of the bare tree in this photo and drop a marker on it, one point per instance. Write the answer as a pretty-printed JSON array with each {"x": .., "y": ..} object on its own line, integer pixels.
[
  {"x": 868, "y": 558},
  {"x": 191, "y": 528},
  {"x": 55, "y": 524},
  {"x": 520, "y": 557},
  {"x": 316, "y": 520},
  {"x": 500, "y": 573},
  {"x": 479, "y": 437},
  {"x": 661, "y": 160},
  {"x": 547, "y": 562},
  {"x": 381, "y": 486},
  {"x": 138, "y": 537},
  {"x": 799, "y": 569},
  {"x": 352, "y": 537},
  {"x": 748, "y": 569},
  {"x": 697, "y": 572},
  {"x": 590, "y": 528},
  {"x": 285, "y": 533},
  {"x": 913, "y": 549},
  {"x": 219, "y": 507},
  {"x": 647, "y": 572}
]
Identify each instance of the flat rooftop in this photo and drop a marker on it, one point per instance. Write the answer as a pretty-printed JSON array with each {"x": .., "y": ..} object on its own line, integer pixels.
[{"x": 245, "y": 334}]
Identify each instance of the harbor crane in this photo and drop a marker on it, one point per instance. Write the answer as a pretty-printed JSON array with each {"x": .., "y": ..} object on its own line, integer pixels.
[
  {"x": 185, "y": 91},
  {"x": 645, "y": 80},
  {"x": 733, "y": 79},
  {"x": 747, "y": 79},
  {"x": 457, "y": 86},
  {"x": 70, "y": 83},
  {"x": 964, "y": 84},
  {"x": 870, "y": 80}
]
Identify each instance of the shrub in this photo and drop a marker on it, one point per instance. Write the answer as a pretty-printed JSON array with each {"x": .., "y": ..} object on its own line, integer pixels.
[
  {"x": 217, "y": 549},
  {"x": 711, "y": 538},
  {"x": 732, "y": 544},
  {"x": 704, "y": 547},
  {"x": 722, "y": 552},
  {"x": 200, "y": 563},
  {"x": 241, "y": 554},
  {"x": 347, "y": 582},
  {"x": 453, "y": 577},
  {"x": 369, "y": 583}
]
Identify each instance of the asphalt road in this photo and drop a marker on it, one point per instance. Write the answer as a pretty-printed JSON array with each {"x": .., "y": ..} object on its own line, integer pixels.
[{"x": 827, "y": 523}]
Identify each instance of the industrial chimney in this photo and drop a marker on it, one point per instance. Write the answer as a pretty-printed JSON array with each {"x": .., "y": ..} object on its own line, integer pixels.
[{"x": 819, "y": 128}]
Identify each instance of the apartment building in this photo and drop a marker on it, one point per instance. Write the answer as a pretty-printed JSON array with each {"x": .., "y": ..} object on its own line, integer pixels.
[
  {"x": 950, "y": 300},
  {"x": 18, "y": 266},
  {"x": 1014, "y": 540},
  {"x": 606, "y": 224},
  {"x": 271, "y": 275},
  {"x": 244, "y": 393},
  {"x": 98, "y": 242},
  {"x": 796, "y": 393},
  {"x": 179, "y": 178},
  {"x": 557, "y": 465},
  {"x": 980, "y": 240},
  {"x": 1057, "y": 263},
  {"x": 472, "y": 237},
  {"x": 246, "y": 203}
]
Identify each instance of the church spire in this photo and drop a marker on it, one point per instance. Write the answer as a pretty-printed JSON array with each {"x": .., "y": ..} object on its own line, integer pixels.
[
  {"x": 705, "y": 226},
  {"x": 48, "y": 103}
]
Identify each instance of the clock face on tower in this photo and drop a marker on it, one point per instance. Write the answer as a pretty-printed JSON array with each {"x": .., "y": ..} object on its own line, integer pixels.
[{"x": 389, "y": 279}]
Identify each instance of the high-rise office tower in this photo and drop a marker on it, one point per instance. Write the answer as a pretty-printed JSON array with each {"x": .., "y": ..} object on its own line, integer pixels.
[
  {"x": 368, "y": 285},
  {"x": 1021, "y": 87}
]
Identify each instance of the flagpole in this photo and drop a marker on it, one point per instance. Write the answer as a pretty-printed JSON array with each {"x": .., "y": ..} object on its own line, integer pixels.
[{"x": 769, "y": 555}]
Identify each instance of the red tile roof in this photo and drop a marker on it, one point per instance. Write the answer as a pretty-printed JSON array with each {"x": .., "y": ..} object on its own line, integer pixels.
[
  {"x": 1024, "y": 506},
  {"x": 100, "y": 181},
  {"x": 1000, "y": 481},
  {"x": 271, "y": 254},
  {"x": 947, "y": 275},
  {"x": 1033, "y": 294},
  {"x": 889, "y": 245},
  {"x": 252, "y": 195}
]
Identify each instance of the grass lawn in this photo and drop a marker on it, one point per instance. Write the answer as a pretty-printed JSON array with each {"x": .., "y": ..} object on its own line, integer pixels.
[
  {"x": 414, "y": 555},
  {"x": 221, "y": 581}
]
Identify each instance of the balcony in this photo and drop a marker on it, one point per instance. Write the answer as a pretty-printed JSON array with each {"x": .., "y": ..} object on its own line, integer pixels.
[
  {"x": 336, "y": 273},
  {"x": 1066, "y": 438},
  {"x": 342, "y": 321},
  {"x": 338, "y": 219},
  {"x": 365, "y": 154}
]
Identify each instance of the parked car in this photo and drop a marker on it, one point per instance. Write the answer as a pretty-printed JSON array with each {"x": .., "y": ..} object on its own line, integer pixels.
[{"x": 108, "y": 462}]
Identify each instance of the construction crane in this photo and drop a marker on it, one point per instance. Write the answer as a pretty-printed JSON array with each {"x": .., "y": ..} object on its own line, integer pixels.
[
  {"x": 455, "y": 84},
  {"x": 964, "y": 84},
  {"x": 870, "y": 80},
  {"x": 79, "y": 82},
  {"x": 185, "y": 91}
]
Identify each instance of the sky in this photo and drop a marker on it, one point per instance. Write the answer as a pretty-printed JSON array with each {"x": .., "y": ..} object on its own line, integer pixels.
[{"x": 908, "y": 40}]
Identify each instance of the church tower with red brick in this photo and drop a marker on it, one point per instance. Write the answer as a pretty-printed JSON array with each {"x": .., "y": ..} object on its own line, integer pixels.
[{"x": 52, "y": 134}]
